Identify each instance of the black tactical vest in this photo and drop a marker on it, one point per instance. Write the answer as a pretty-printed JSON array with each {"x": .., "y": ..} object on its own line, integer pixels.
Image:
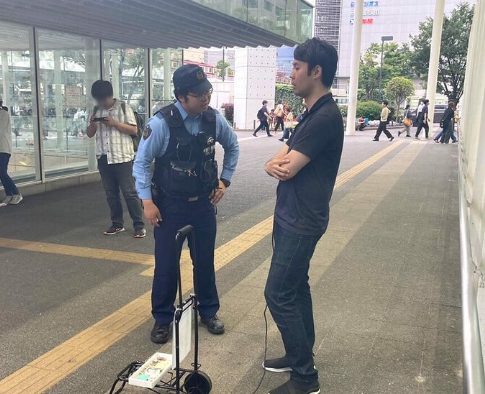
[{"x": 188, "y": 167}]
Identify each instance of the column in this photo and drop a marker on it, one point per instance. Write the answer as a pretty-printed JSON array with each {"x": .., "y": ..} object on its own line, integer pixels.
[
  {"x": 92, "y": 70},
  {"x": 58, "y": 98},
  {"x": 115, "y": 74},
  {"x": 254, "y": 82},
  {"x": 167, "y": 76},
  {"x": 5, "y": 79},
  {"x": 36, "y": 105},
  {"x": 434, "y": 58},
  {"x": 354, "y": 67}
]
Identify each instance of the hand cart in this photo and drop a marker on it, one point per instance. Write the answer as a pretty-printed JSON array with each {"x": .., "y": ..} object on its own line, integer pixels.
[{"x": 194, "y": 380}]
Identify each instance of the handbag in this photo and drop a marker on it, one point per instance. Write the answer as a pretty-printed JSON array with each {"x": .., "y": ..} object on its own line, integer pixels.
[{"x": 408, "y": 122}]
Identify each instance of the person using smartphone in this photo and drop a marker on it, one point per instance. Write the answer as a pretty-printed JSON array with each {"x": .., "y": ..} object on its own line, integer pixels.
[{"x": 113, "y": 124}]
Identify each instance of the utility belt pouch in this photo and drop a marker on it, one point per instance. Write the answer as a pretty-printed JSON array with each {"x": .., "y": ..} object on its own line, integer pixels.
[{"x": 181, "y": 180}]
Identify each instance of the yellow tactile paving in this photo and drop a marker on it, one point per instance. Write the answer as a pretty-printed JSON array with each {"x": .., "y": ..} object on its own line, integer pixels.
[
  {"x": 77, "y": 251},
  {"x": 44, "y": 372}
]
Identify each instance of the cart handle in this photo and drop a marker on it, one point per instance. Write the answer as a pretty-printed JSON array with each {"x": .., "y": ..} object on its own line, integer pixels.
[{"x": 184, "y": 231}]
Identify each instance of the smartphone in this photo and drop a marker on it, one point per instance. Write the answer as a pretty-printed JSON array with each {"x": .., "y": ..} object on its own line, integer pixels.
[{"x": 99, "y": 119}]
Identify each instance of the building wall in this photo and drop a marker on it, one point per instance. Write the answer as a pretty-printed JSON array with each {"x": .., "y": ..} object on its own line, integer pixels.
[
  {"x": 255, "y": 82},
  {"x": 327, "y": 21}
]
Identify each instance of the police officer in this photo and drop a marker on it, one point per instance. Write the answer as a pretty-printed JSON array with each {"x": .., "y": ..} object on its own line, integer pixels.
[{"x": 184, "y": 189}]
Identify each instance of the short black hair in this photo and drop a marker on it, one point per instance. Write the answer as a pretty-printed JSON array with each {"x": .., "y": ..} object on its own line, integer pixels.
[
  {"x": 408, "y": 106},
  {"x": 317, "y": 52},
  {"x": 426, "y": 101},
  {"x": 101, "y": 89},
  {"x": 265, "y": 102},
  {"x": 180, "y": 92},
  {"x": 385, "y": 102}
]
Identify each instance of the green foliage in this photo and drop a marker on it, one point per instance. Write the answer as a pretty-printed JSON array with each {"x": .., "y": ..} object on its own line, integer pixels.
[
  {"x": 284, "y": 92},
  {"x": 399, "y": 89},
  {"x": 453, "y": 55},
  {"x": 396, "y": 62},
  {"x": 223, "y": 69},
  {"x": 369, "y": 109},
  {"x": 343, "y": 110},
  {"x": 229, "y": 112}
]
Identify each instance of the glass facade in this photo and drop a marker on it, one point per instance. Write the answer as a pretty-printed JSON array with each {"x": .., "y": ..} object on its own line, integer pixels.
[
  {"x": 45, "y": 80},
  {"x": 289, "y": 18}
]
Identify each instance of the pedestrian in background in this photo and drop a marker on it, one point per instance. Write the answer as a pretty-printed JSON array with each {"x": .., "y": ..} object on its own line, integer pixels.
[
  {"x": 407, "y": 121},
  {"x": 263, "y": 119},
  {"x": 114, "y": 123},
  {"x": 288, "y": 124},
  {"x": 423, "y": 120},
  {"x": 280, "y": 114},
  {"x": 448, "y": 125},
  {"x": 13, "y": 196},
  {"x": 383, "y": 123}
]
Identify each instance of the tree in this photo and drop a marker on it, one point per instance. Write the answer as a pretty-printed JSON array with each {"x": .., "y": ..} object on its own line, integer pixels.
[
  {"x": 284, "y": 92},
  {"x": 396, "y": 63},
  {"x": 223, "y": 68},
  {"x": 369, "y": 109},
  {"x": 399, "y": 89},
  {"x": 454, "y": 46}
]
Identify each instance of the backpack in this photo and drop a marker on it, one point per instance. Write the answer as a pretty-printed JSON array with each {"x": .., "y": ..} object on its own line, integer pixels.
[
  {"x": 140, "y": 125},
  {"x": 260, "y": 114}
]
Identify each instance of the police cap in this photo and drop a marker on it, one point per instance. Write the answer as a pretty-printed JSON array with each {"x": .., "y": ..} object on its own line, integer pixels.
[{"x": 191, "y": 78}]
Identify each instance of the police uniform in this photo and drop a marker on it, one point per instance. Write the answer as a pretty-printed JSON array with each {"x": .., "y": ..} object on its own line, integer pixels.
[{"x": 185, "y": 176}]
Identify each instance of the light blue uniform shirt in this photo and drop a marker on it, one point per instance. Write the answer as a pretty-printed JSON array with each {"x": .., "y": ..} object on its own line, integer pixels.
[{"x": 156, "y": 145}]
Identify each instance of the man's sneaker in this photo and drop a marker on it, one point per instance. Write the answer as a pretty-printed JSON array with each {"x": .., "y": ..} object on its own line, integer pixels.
[
  {"x": 390, "y": 139},
  {"x": 113, "y": 230},
  {"x": 214, "y": 325},
  {"x": 160, "y": 333},
  {"x": 277, "y": 365},
  {"x": 375, "y": 139},
  {"x": 294, "y": 387},
  {"x": 254, "y": 135},
  {"x": 408, "y": 136},
  {"x": 16, "y": 199},
  {"x": 399, "y": 133},
  {"x": 5, "y": 202},
  {"x": 140, "y": 233},
  {"x": 270, "y": 135}
]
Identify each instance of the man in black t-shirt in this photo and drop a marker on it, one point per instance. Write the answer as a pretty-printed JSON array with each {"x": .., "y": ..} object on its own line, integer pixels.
[
  {"x": 263, "y": 119},
  {"x": 307, "y": 169}
]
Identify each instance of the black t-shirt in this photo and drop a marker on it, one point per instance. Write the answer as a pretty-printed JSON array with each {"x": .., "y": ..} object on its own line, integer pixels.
[
  {"x": 262, "y": 113},
  {"x": 302, "y": 204}
]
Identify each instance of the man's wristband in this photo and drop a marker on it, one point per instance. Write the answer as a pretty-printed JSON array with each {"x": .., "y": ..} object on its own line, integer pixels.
[{"x": 225, "y": 182}]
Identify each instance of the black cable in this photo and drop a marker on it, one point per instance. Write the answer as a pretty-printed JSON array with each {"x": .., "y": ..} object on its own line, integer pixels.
[{"x": 265, "y": 350}]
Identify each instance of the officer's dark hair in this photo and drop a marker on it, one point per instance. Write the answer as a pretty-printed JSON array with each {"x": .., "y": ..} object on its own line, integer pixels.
[
  {"x": 265, "y": 102},
  {"x": 385, "y": 102},
  {"x": 408, "y": 106},
  {"x": 317, "y": 52},
  {"x": 101, "y": 89},
  {"x": 426, "y": 101},
  {"x": 181, "y": 92}
]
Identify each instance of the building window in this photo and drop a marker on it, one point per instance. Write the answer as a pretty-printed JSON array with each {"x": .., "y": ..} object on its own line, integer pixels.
[{"x": 268, "y": 6}]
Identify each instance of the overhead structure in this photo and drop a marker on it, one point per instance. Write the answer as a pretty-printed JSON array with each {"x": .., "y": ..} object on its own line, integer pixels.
[{"x": 158, "y": 23}]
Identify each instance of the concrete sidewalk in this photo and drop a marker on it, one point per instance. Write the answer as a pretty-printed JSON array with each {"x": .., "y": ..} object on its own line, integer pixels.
[
  {"x": 385, "y": 280},
  {"x": 385, "y": 283}
]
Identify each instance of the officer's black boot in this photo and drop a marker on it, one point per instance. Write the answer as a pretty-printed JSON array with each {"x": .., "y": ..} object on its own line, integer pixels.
[
  {"x": 160, "y": 333},
  {"x": 214, "y": 325}
]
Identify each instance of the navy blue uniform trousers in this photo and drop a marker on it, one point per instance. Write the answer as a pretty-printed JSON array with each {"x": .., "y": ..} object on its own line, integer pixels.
[{"x": 177, "y": 213}]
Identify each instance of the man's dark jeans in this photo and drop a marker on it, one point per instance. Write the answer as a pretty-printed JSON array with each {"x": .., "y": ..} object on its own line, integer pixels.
[
  {"x": 289, "y": 299},
  {"x": 279, "y": 122},
  {"x": 7, "y": 182},
  {"x": 263, "y": 125},
  {"x": 116, "y": 177}
]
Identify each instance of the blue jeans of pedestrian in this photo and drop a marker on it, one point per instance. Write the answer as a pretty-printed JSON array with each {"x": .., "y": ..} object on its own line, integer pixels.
[
  {"x": 7, "y": 182},
  {"x": 289, "y": 299},
  {"x": 177, "y": 213}
]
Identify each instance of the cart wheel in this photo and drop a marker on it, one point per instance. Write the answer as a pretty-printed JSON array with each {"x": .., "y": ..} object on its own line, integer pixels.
[{"x": 197, "y": 383}]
